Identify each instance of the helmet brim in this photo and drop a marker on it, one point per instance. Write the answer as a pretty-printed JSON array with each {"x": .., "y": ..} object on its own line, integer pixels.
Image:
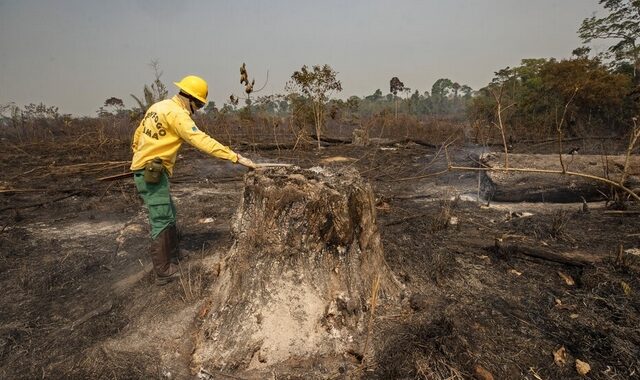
[{"x": 200, "y": 98}]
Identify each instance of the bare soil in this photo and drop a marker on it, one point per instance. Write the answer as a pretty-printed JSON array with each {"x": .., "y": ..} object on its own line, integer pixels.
[{"x": 79, "y": 300}]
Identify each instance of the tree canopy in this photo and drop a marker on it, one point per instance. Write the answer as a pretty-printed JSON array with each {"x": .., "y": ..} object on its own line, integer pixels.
[
  {"x": 540, "y": 89},
  {"x": 622, "y": 25}
]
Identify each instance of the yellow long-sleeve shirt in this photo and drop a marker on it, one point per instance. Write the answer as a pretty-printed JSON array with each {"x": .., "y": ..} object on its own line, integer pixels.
[{"x": 166, "y": 125}]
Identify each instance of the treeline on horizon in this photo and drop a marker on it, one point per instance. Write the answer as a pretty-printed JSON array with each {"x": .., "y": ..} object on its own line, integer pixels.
[{"x": 584, "y": 94}]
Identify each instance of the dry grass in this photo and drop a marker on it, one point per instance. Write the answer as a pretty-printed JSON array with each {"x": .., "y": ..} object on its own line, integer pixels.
[
  {"x": 103, "y": 363},
  {"x": 195, "y": 278},
  {"x": 559, "y": 223},
  {"x": 433, "y": 130},
  {"x": 442, "y": 220},
  {"x": 428, "y": 368},
  {"x": 424, "y": 349}
]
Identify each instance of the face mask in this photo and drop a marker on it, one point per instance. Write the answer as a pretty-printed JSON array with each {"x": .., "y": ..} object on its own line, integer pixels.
[{"x": 194, "y": 106}]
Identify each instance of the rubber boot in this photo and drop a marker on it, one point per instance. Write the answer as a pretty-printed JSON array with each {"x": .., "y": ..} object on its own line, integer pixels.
[
  {"x": 161, "y": 253},
  {"x": 177, "y": 254}
]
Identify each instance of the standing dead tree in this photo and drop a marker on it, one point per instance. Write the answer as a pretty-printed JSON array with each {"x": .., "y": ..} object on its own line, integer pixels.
[
  {"x": 499, "y": 110},
  {"x": 559, "y": 127}
]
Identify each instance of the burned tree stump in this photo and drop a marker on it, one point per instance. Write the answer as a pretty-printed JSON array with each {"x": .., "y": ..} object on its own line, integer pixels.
[{"x": 297, "y": 283}]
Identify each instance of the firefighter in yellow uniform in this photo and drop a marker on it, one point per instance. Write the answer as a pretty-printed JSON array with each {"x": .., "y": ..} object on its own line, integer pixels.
[{"x": 165, "y": 126}]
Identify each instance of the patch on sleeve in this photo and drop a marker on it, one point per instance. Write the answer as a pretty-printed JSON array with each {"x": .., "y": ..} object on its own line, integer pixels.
[{"x": 194, "y": 128}]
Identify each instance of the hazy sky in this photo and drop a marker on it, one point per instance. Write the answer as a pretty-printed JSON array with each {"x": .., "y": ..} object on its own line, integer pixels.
[{"x": 76, "y": 54}]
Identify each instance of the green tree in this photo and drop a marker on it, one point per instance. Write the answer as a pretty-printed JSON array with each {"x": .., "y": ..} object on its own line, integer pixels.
[
  {"x": 466, "y": 91},
  {"x": 316, "y": 85},
  {"x": 377, "y": 95},
  {"x": 538, "y": 91},
  {"x": 227, "y": 108},
  {"x": 439, "y": 94},
  {"x": 114, "y": 102},
  {"x": 211, "y": 108},
  {"x": 111, "y": 106},
  {"x": 283, "y": 105},
  {"x": 597, "y": 94},
  {"x": 353, "y": 104},
  {"x": 621, "y": 24}
]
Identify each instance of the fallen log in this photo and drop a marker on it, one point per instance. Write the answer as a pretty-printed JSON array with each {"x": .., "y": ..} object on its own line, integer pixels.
[
  {"x": 522, "y": 186},
  {"x": 574, "y": 258},
  {"x": 13, "y": 191},
  {"x": 621, "y": 212},
  {"x": 394, "y": 142},
  {"x": 564, "y": 140},
  {"x": 408, "y": 218},
  {"x": 374, "y": 141},
  {"x": 331, "y": 140},
  {"x": 417, "y": 142}
]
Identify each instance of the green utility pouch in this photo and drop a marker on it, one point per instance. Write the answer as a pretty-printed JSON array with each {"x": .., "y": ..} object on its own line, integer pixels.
[{"x": 153, "y": 171}]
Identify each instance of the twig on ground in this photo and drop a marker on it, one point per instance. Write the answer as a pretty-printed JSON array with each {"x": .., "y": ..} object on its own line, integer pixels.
[
  {"x": 75, "y": 192},
  {"x": 408, "y": 218},
  {"x": 4, "y": 191},
  {"x": 420, "y": 176},
  {"x": 115, "y": 177},
  {"x": 102, "y": 309}
]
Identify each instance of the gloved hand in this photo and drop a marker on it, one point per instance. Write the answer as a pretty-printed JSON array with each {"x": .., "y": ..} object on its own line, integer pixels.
[{"x": 246, "y": 162}]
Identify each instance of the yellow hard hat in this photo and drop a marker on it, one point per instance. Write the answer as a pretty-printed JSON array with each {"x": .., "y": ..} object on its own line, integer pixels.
[{"x": 194, "y": 86}]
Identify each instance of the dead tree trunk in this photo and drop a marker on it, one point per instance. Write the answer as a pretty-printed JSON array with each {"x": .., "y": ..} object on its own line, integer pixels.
[{"x": 297, "y": 283}]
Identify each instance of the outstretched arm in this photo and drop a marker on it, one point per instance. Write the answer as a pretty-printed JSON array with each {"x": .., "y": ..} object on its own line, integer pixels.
[{"x": 189, "y": 132}]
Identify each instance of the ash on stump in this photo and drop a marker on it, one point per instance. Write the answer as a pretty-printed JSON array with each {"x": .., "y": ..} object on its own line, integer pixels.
[{"x": 297, "y": 284}]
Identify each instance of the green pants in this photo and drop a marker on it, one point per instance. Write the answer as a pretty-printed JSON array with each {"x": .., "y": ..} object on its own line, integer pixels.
[{"x": 160, "y": 207}]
